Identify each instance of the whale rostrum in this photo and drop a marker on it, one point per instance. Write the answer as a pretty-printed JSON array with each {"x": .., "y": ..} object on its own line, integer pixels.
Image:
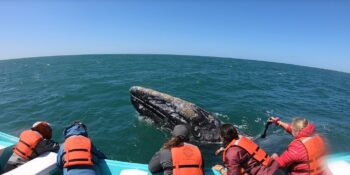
[{"x": 167, "y": 111}]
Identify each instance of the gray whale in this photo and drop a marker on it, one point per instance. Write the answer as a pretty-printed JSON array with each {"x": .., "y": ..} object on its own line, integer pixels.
[{"x": 167, "y": 111}]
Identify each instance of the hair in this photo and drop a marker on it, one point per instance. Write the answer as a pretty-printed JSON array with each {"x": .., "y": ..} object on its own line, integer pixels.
[
  {"x": 80, "y": 123},
  {"x": 44, "y": 129},
  {"x": 228, "y": 133},
  {"x": 298, "y": 124},
  {"x": 174, "y": 142}
]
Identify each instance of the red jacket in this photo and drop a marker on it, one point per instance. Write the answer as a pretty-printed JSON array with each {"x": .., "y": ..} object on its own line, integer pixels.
[
  {"x": 296, "y": 151},
  {"x": 235, "y": 160}
]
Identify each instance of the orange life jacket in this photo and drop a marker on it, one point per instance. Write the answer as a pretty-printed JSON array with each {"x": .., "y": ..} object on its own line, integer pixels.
[
  {"x": 28, "y": 140},
  {"x": 252, "y": 148},
  {"x": 187, "y": 160},
  {"x": 77, "y": 151},
  {"x": 316, "y": 150}
]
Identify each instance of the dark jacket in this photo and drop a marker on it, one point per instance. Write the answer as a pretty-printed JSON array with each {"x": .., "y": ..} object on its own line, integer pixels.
[
  {"x": 237, "y": 158},
  {"x": 162, "y": 161},
  {"x": 43, "y": 146},
  {"x": 72, "y": 130}
]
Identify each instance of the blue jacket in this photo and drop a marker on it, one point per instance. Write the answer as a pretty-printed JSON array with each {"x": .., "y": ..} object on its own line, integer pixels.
[{"x": 77, "y": 129}]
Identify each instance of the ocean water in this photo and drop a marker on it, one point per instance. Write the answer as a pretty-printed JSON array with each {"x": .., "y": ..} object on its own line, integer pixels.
[{"x": 94, "y": 89}]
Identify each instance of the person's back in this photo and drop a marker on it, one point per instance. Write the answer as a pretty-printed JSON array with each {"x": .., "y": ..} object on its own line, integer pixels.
[
  {"x": 242, "y": 155},
  {"x": 187, "y": 159},
  {"x": 305, "y": 153},
  {"x": 178, "y": 157},
  {"x": 32, "y": 143},
  {"x": 250, "y": 158},
  {"x": 78, "y": 155},
  {"x": 310, "y": 152}
]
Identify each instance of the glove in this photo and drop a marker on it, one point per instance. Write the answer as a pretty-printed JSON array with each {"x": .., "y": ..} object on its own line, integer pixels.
[
  {"x": 274, "y": 120},
  {"x": 217, "y": 152}
]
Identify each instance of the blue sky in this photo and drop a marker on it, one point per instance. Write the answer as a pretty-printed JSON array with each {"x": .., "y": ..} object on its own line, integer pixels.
[{"x": 311, "y": 33}]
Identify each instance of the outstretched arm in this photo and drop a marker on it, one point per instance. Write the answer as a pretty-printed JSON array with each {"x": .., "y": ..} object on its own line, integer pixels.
[
  {"x": 47, "y": 146},
  {"x": 277, "y": 121},
  {"x": 98, "y": 153}
]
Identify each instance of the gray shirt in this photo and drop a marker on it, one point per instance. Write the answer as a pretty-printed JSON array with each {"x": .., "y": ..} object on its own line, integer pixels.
[
  {"x": 43, "y": 146},
  {"x": 161, "y": 161}
]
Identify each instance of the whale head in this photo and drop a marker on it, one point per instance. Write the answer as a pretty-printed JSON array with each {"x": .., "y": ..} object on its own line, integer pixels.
[{"x": 167, "y": 111}]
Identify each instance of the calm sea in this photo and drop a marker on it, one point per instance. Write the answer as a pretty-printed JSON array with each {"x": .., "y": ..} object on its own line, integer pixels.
[{"x": 94, "y": 89}]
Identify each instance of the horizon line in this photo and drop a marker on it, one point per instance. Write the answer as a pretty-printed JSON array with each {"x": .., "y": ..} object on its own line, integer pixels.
[{"x": 248, "y": 59}]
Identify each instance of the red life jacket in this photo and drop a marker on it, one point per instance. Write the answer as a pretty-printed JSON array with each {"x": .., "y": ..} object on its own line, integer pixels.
[
  {"x": 187, "y": 160},
  {"x": 77, "y": 151},
  {"x": 252, "y": 148},
  {"x": 316, "y": 150},
  {"x": 28, "y": 140}
]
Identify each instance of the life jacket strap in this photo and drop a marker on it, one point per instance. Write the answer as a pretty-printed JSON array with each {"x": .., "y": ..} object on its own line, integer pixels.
[
  {"x": 76, "y": 160},
  {"x": 74, "y": 150},
  {"x": 187, "y": 166},
  {"x": 22, "y": 152},
  {"x": 306, "y": 171},
  {"x": 26, "y": 144},
  {"x": 247, "y": 170},
  {"x": 302, "y": 171},
  {"x": 252, "y": 156}
]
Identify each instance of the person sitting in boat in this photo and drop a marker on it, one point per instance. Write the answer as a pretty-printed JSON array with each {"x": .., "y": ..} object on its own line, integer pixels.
[
  {"x": 77, "y": 155},
  {"x": 305, "y": 153},
  {"x": 32, "y": 143},
  {"x": 242, "y": 156},
  {"x": 177, "y": 157}
]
